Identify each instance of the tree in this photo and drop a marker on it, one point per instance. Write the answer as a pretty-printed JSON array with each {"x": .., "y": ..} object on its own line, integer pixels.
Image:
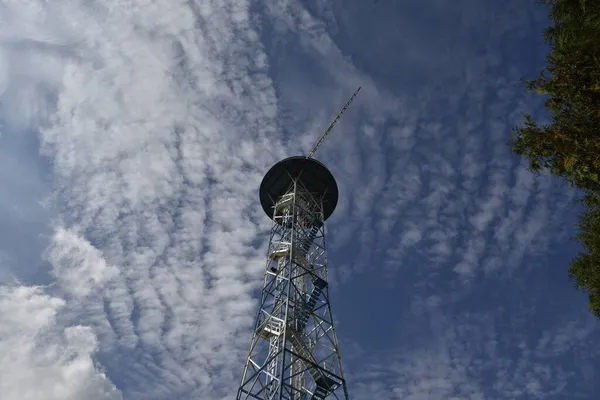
[
  {"x": 569, "y": 147},
  {"x": 585, "y": 268}
]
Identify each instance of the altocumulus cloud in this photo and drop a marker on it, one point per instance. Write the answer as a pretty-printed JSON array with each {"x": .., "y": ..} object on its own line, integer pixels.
[
  {"x": 155, "y": 117},
  {"x": 472, "y": 357},
  {"x": 459, "y": 227},
  {"x": 139, "y": 108},
  {"x": 159, "y": 118}
]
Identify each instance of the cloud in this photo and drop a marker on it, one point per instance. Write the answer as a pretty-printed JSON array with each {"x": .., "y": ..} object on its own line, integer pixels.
[
  {"x": 159, "y": 123},
  {"x": 452, "y": 194},
  {"x": 41, "y": 359},
  {"x": 472, "y": 356},
  {"x": 79, "y": 267},
  {"x": 159, "y": 120}
]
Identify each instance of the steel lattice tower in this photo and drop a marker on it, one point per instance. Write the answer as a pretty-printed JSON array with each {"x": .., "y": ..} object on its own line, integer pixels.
[{"x": 294, "y": 352}]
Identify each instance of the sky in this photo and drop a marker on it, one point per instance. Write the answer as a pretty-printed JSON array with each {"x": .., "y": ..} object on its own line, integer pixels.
[{"x": 133, "y": 139}]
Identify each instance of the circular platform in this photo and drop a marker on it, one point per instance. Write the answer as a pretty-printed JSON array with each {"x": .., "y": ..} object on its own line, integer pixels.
[{"x": 313, "y": 174}]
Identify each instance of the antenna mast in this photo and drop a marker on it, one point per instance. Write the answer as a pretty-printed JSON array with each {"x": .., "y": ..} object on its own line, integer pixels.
[{"x": 337, "y": 118}]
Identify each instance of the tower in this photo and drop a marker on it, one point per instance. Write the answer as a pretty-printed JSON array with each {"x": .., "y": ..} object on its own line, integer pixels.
[{"x": 294, "y": 352}]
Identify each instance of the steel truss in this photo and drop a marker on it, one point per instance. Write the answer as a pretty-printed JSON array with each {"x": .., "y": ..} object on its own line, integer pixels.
[{"x": 294, "y": 352}]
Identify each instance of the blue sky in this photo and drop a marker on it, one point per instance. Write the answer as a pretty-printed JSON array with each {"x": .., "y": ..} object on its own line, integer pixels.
[{"x": 133, "y": 138}]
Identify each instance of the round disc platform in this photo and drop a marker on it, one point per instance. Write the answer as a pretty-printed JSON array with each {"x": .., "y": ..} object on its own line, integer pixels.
[{"x": 313, "y": 174}]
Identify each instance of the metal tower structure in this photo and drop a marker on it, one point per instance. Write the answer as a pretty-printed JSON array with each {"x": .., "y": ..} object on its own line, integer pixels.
[{"x": 294, "y": 352}]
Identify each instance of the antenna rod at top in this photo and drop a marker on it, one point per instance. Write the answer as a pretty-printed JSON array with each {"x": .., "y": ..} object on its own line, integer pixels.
[{"x": 337, "y": 118}]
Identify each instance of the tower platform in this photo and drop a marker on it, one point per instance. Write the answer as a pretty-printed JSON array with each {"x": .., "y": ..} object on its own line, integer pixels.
[{"x": 313, "y": 174}]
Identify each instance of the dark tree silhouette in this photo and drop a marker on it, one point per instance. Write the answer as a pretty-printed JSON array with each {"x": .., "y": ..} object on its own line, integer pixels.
[{"x": 569, "y": 147}]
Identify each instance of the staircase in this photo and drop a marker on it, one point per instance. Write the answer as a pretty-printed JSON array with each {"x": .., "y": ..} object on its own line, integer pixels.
[
  {"x": 304, "y": 312},
  {"x": 305, "y": 244},
  {"x": 325, "y": 384}
]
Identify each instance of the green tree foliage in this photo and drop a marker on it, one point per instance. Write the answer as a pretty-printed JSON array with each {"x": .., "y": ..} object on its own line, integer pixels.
[
  {"x": 585, "y": 268},
  {"x": 569, "y": 147}
]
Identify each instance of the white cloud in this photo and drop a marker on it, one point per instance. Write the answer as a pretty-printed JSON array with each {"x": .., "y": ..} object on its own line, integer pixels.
[
  {"x": 472, "y": 357},
  {"x": 160, "y": 118},
  {"x": 79, "y": 267},
  {"x": 42, "y": 360},
  {"x": 156, "y": 126},
  {"x": 451, "y": 176}
]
